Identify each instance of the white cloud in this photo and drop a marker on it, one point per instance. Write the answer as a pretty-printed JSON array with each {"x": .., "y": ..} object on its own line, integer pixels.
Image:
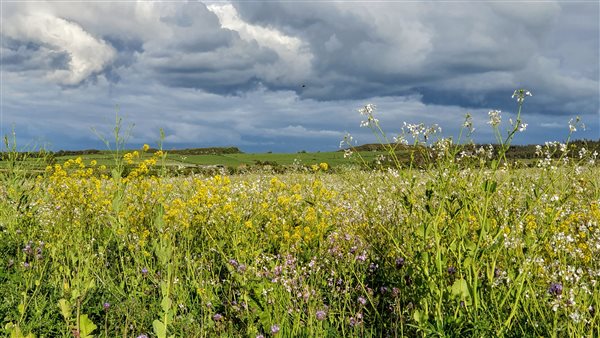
[
  {"x": 551, "y": 125},
  {"x": 88, "y": 55},
  {"x": 295, "y": 57}
]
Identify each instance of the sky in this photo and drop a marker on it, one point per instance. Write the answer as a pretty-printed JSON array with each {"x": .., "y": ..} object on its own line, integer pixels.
[{"x": 290, "y": 76}]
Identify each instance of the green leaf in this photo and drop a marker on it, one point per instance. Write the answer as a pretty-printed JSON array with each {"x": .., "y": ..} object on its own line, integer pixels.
[
  {"x": 460, "y": 289},
  {"x": 418, "y": 316},
  {"x": 21, "y": 308},
  {"x": 489, "y": 186},
  {"x": 166, "y": 304},
  {"x": 467, "y": 263},
  {"x": 65, "y": 308},
  {"x": 15, "y": 331},
  {"x": 159, "y": 328},
  {"x": 86, "y": 326},
  {"x": 75, "y": 294}
]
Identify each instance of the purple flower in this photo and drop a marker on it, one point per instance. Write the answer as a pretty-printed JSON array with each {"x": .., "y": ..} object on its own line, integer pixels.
[
  {"x": 321, "y": 315},
  {"x": 27, "y": 249},
  {"x": 451, "y": 270},
  {"x": 25, "y": 265},
  {"x": 217, "y": 317},
  {"x": 106, "y": 305},
  {"x": 399, "y": 263},
  {"x": 555, "y": 289},
  {"x": 233, "y": 263},
  {"x": 362, "y": 257},
  {"x": 144, "y": 271},
  {"x": 352, "y": 321},
  {"x": 260, "y": 336},
  {"x": 362, "y": 300},
  {"x": 274, "y": 329},
  {"x": 142, "y": 336}
]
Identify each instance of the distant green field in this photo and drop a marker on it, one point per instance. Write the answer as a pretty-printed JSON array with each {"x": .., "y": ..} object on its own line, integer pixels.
[
  {"x": 235, "y": 160},
  {"x": 333, "y": 158}
]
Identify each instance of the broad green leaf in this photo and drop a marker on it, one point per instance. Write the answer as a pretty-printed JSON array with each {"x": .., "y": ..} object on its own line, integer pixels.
[
  {"x": 65, "y": 308},
  {"x": 159, "y": 328},
  {"x": 166, "y": 304},
  {"x": 460, "y": 289},
  {"x": 86, "y": 326},
  {"x": 418, "y": 316}
]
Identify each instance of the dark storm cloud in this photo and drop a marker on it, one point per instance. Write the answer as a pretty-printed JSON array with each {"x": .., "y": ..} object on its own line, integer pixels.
[
  {"x": 370, "y": 49},
  {"x": 20, "y": 56},
  {"x": 289, "y": 76},
  {"x": 128, "y": 50}
]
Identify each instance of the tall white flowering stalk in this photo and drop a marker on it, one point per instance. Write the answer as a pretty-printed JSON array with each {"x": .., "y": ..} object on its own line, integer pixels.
[
  {"x": 371, "y": 122},
  {"x": 516, "y": 126}
]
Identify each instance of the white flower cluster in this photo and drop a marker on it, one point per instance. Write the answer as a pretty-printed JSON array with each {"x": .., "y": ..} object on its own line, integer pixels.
[
  {"x": 368, "y": 111},
  {"x": 495, "y": 117},
  {"x": 418, "y": 130},
  {"x": 520, "y": 94}
]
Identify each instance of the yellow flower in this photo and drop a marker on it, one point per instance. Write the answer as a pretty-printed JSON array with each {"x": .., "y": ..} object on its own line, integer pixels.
[
  {"x": 323, "y": 166},
  {"x": 146, "y": 147}
]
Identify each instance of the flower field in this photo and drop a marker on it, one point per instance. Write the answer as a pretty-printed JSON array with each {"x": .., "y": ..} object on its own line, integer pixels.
[
  {"x": 466, "y": 245},
  {"x": 446, "y": 251}
]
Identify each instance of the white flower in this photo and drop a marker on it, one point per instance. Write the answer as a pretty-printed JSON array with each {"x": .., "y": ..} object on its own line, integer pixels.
[
  {"x": 346, "y": 140},
  {"x": 523, "y": 127},
  {"x": 563, "y": 147},
  {"x": 368, "y": 111},
  {"x": 520, "y": 94},
  {"x": 573, "y": 125},
  {"x": 495, "y": 117},
  {"x": 400, "y": 139}
]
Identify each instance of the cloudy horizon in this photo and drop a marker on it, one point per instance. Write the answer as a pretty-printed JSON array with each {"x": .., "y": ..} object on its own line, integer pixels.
[{"x": 290, "y": 76}]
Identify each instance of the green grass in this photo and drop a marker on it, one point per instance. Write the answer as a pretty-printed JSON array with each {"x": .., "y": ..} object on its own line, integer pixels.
[{"x": 334, "y": 159}]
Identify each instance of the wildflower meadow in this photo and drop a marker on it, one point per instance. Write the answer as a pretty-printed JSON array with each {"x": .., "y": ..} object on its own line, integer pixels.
[{"x": 456, "y": 240}]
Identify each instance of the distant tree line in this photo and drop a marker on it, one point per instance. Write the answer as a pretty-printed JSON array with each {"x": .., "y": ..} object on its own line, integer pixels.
[
  {"x": 514, "y": 152},
  {"x": 203, "y": 151},
  {"x": 18, "y": 156}
]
